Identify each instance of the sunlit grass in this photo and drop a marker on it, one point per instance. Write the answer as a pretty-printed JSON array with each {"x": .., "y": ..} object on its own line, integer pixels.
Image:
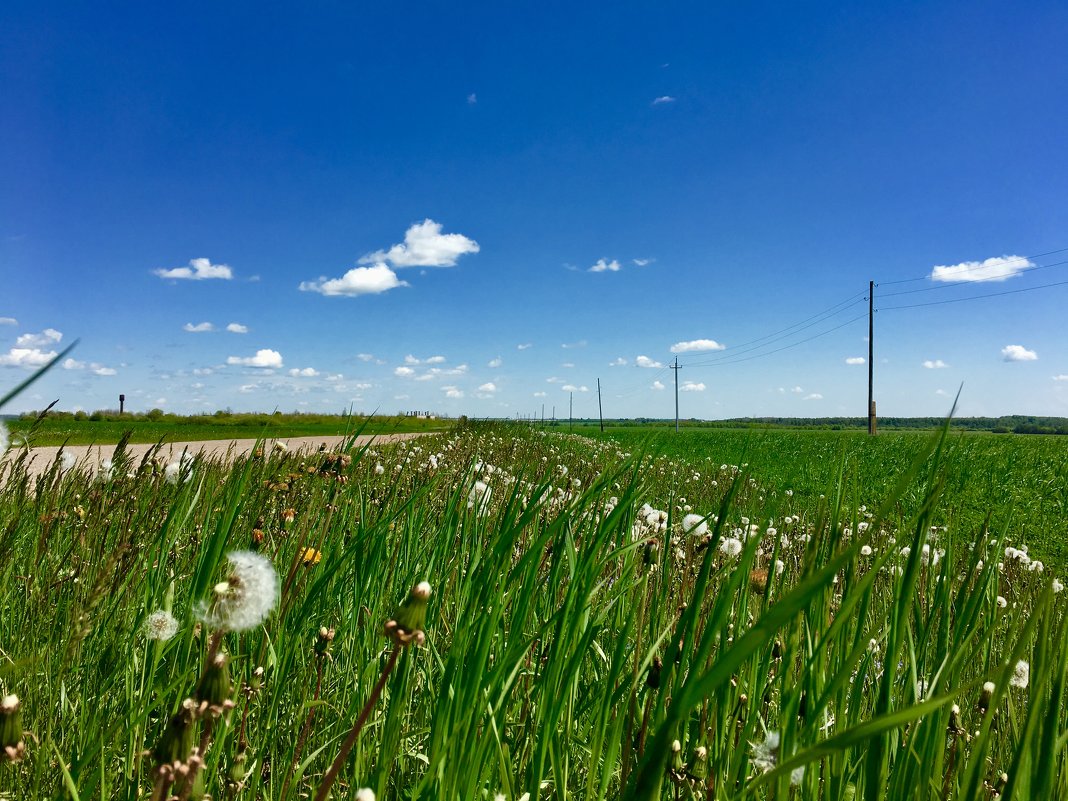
[{"x": 581, "y": 641}]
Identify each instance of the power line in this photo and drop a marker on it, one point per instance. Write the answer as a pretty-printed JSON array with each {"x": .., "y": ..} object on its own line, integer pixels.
[
  {"x": 974, "y": 297},
  {"x": 782, "y": 333},
  {"x": 784, "y": 347},
  {"x": 952, "y": 284},
  {"x": 1017, "y": 260}
]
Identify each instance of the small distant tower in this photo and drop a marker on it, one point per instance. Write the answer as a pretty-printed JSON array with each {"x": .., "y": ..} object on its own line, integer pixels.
[{"x": 122, "y": 403}]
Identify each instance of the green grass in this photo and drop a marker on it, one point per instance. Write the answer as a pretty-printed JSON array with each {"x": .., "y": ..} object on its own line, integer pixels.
[
  {"x": 582, "y": 640},
  {"x": 67, "y": 430}
]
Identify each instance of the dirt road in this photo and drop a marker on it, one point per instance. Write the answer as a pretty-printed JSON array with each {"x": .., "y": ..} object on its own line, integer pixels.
[{"x": 93, "y": 455}]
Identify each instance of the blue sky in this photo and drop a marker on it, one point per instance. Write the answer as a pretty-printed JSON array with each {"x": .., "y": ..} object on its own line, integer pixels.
[{"x": 481, "y": 209}]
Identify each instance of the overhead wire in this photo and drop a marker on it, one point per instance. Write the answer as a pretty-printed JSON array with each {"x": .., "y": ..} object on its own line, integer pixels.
[
  {"x": 957, "y": 284},
  {"x": 1014, "y": 260},
  {"x": 974, "y": 297}
]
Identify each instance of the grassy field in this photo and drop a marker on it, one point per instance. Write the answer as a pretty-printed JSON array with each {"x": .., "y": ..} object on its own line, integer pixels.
[
  {"x": 723, "y": 615},
  {"x": 68, "y": 430}
]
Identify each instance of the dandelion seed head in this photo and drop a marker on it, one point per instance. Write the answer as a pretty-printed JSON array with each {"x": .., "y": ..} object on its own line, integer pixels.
[
  {"x": 731, "y": 546},
  {"x": 1021, "y": 675},
  {"x": 695, "y": 524},
  {"x": 1057, "y": 585},
  {"x": 365, "y": 794},
  {"x": 245, "y": 599},
  {"x": 160, "y": 625},
  {"x": 764, "y": 755},
  {"x": 3, "y": 438}
]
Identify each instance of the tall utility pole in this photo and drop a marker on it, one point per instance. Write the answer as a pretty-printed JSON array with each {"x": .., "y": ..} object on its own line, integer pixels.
[
  {"x": 570, "y": 410},
  {"x": 871, "y": 357},
  {"x": 600, "y": 412},
  {"x": 675, "y": 367},
  {"x": 543, "y": 415}
]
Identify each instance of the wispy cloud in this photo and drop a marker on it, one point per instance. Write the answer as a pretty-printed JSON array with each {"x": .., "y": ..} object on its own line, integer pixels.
[
  {"x": 659, "y": 101},
  {"x": 935, "y": 364},
  {"x": 264, "y": 358},
  {"x": 93, "y": 367},
  {"x": 489, "y": 386},
  {"x": 691, "y": 386},
  {"x": 854, "y": 360},
  {"x": 198, "y": 270},
  {"x": 8, "y": 321},
  {"x": 198, "y": 328},
  {"x": 573, "y": 388},
  {"x": 524, "y": 346},
  {"x": 696, "y": 345},
  {"x": 813, "y": 396},
  {"x": 472, "y": 99},
  {"x": 618, "y": 362},
  {"x": 1061, "y": 377},
  {"x": 658, "y": 385},
  {"x": 572, "y": 345},
  {"x": 643, "y": 262},
  {"x": 495, "y": 363},
  {"x": 49, "y": 336},
  {"x": 1018, "y": 353},
  {"x": 237, "y": 328},
  {"x": 425, "y": 246},
  {"x": 604, "y": 266},
  {"x": 645, "y": 361},
  {"x": 453, "y": 392},
  {"x": 403, "y": 372},
  {"x": 307, "y": 372},
  {"x": 999, "y": 268},
  {"x": 372, "y": 280}
]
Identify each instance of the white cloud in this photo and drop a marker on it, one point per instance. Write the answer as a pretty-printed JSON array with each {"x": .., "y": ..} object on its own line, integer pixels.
[
  {"x": 425, "y": 246},
  {"x": 237, "y": 328},
  {"x": 452, "y": 392},
  {"x": 94, "y": 367},
  {"x": 796, "y": 390},
  {"x": 403, "y": 371},
  {"x": 659, "y": 101},
  {"x": 645, "y": 361},
  {"x": 658, "y": 385},
  {"x": 643, "y": 262},
  {"x": 524, "y": 346},
  {"x": 935, "y": 364},
  {"x": 856, "y": 360},
  {"x": 199, "y": 328},
  {"x": 618, "y": 362},
  {"x": 541, "y": 394},
  {"x": 813, "y": 396},
  {"x": 435, "y": 360},
  {"x": 942, "y": 393},
  {"x": 571, "y": 345},
  {"x": 472, "y": 99},
  {"x": 568, "y": 365},
  {"x": 198, "y": 270},
  {"x": 999, "y": 268},
  {"x": 8, "y": 321},
  {"x": 246, "y": 388},
  {"x": 495, "y": 363},
  {"x": 49, "y": 336},
  {"x": 696, "y": 345},
  {"x": 307, "y": 372},
  {"x": 573, "y": 388},
  {"x": 603, "y": 266},
  {"x": 265, "y": 357},
  {"x": 26, "y": 357},
  {"x": 372, "y": 280},
  {"x": 1061, "y": 377},
  {"x": 1018, "y": 353},
  {"x": 409, "y": 359},
  {"x": 365, "y": 357},
  {"x": 202, "y": 371},
  {"x": 489, "y": 386},
  {"x": 691, "y": 386}
]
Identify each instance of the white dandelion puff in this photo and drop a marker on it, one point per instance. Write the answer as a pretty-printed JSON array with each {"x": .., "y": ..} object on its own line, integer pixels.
[
  {"x": 1021, "y": 675},
  {"x": 731, "y": 546},
  {"x": 3, "y": 437},
  {"x": 695, "y": 524},
  {"x": 245, "y": 599},
  {"x": 66, "y": 461},
  {"x": 764, "y": 755},
  {"x": 161, "y": 625},
  {"x": 365, "y": 794}
]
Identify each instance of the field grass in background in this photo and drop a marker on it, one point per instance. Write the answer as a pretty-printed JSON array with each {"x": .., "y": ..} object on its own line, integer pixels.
[
  {"x": 82, "y": 430},
  {"x": 720, "y": 617}
]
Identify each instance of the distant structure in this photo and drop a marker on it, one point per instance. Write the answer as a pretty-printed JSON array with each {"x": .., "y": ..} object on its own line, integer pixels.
[
  {"x": 422, "y": 415},
  {"x": 122, "y": 403}
]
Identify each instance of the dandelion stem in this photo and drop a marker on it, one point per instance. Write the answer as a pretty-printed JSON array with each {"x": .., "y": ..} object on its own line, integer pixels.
[{"x": 350, "y": 741}]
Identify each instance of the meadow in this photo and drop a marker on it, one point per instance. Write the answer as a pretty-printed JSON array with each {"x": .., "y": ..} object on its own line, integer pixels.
[{"x": 503, "y": 612}]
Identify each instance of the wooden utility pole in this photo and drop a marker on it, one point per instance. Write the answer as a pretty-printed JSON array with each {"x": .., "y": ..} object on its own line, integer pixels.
[
  {"x": 675, "y": 367},
  {"x": 570, "y": 411},
  {"x": 600, "y": 412},
  {"x": 871, "y": 357}
]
